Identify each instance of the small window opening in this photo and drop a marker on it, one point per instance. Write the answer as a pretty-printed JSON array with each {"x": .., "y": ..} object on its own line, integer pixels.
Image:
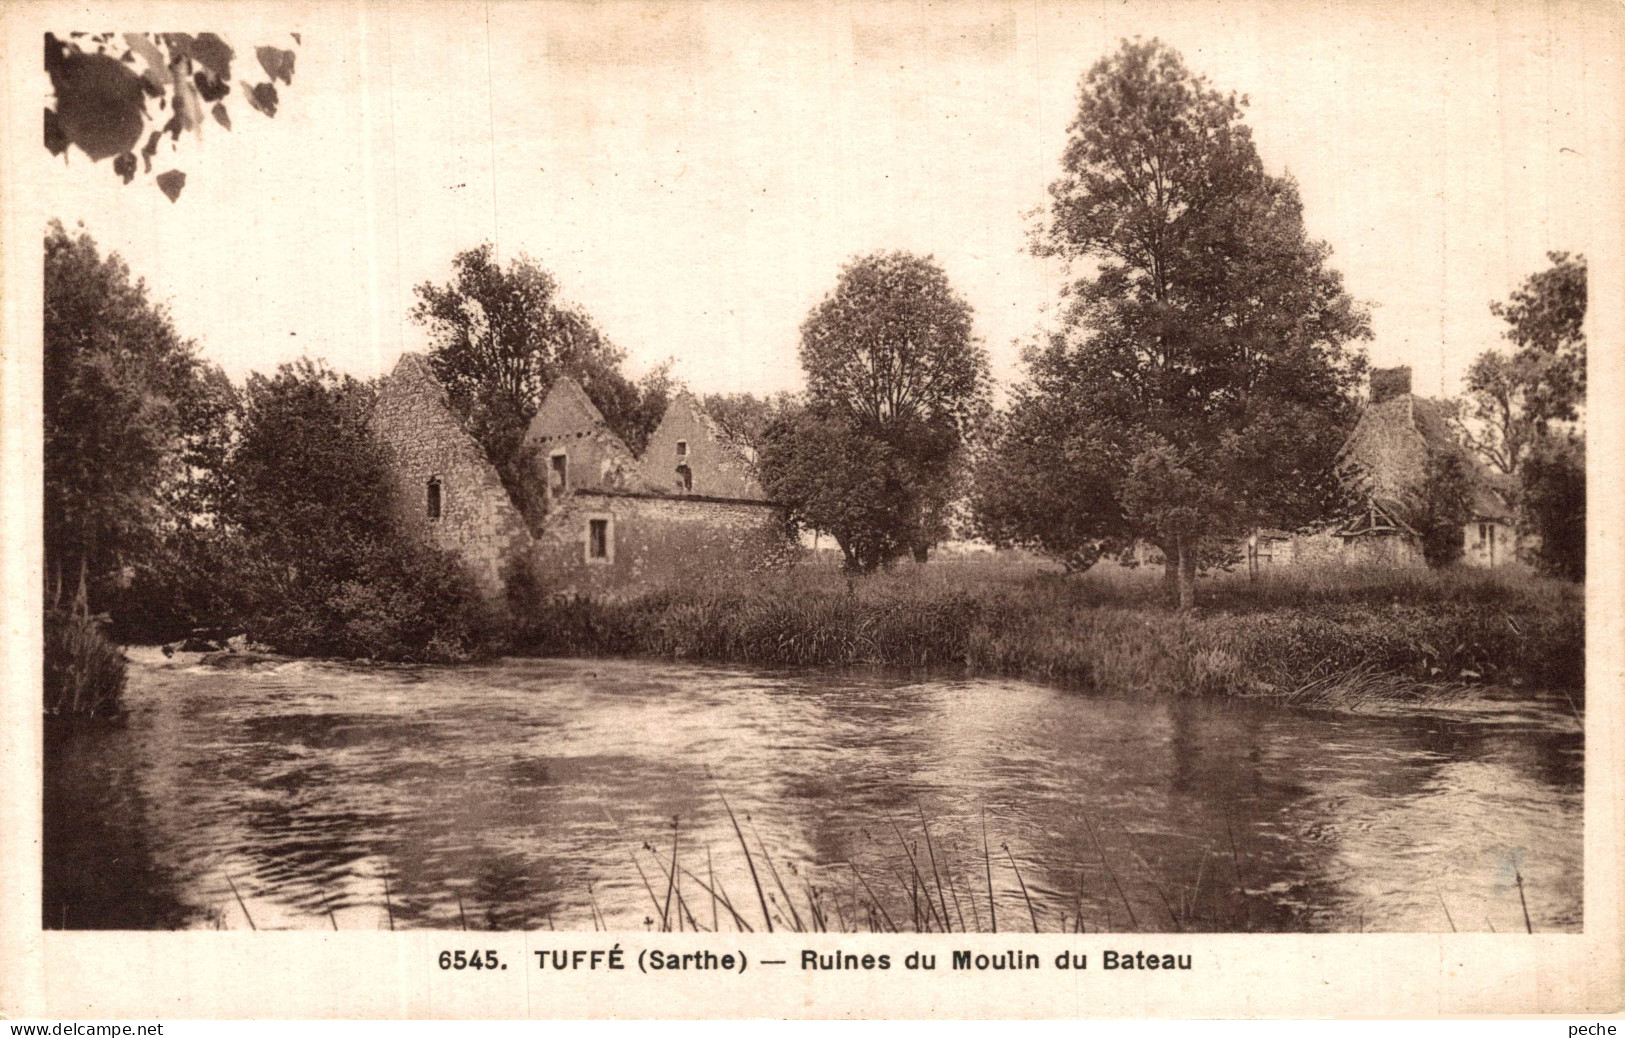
[
  {"x": 561, "y": 474},
  {"x": 1483, "y": 532},
  {"x": 685, "y": 479},
  {"x": 682, "y": 448},
  {"x": 598, "y": 538},
  {"x": 433, "y": 503}
]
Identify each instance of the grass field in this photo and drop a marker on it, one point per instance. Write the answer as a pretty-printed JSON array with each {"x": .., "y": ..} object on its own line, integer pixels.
[{"x": 1337, "y": 636}]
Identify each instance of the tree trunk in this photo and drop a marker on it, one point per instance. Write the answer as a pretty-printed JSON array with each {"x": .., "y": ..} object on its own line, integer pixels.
[{"x": 1186, "y": 573}]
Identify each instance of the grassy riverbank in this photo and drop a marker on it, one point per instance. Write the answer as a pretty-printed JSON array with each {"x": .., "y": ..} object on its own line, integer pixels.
[{"x": 1338, "y": 636}]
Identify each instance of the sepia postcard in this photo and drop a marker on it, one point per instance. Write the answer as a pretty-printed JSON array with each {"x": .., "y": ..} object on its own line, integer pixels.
[{"x": 811, "y": 509}]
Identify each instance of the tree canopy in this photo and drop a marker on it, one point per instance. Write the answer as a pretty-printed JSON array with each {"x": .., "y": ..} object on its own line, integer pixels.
[
  {"x": 307, "y": 460},
  {"x": 133, "y": 416},
  {"x": 1516, "y": 397},
  {"x": 1204, "y": 374},
  {"x": 896, "y": 385},
  {"x": 501, "y": 337}
]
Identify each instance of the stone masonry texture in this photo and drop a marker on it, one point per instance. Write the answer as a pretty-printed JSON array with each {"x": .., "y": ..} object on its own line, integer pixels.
[{"x": 424, "y": 441}]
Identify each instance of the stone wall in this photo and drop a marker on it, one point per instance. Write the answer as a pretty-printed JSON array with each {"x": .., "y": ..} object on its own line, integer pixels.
[
  {"x": 424, "y": 442},
  {"x": 654, "y": 539},
  {"x": 1326, "y": 547},
  {"x": 1489, "y": 544},
  {"x": 568, "y": 425},
  {"x": 687, "y": 437}
]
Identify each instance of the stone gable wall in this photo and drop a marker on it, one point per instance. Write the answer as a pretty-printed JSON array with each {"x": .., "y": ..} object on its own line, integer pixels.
[
  {"x": 595, "y": 458},
  {"x": 717, "y": 468},
  {"x": 1388, "y": 449},
  {"x": 423, "y": 440},
  {"x": 656, "y": 540}
]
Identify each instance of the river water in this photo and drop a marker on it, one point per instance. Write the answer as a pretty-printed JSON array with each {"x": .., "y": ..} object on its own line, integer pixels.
[{"x": 543, "y": 793}]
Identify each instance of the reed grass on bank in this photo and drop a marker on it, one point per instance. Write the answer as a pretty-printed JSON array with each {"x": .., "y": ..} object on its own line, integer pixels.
[
  {"x": 84, "y": 672},
  {"x": 1329, "y": 636}
]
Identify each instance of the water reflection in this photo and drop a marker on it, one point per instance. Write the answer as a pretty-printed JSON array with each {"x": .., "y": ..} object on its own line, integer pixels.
[{"x": 522, "y": 794}]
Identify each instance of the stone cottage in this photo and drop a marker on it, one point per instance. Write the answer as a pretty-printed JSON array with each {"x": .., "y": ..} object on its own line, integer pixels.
[
  {"x": 1387, "y": 453},
  {"x": 613, "y": 522}
]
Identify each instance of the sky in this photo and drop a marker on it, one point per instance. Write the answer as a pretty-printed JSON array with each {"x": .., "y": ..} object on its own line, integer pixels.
[{"x": 695, "y": 175}]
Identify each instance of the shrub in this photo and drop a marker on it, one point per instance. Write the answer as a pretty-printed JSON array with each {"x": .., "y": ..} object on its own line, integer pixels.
[
  {"x": 1554, "y": 491},
  {"x": 393, "y": 599}
]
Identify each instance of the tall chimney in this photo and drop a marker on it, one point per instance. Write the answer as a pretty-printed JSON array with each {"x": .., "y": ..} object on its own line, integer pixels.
[{"x": 1387, "y": 383}]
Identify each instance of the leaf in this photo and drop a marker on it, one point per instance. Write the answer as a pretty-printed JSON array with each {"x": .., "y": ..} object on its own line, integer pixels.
[
  {"x": 209, "y": 88},
  {"x": 214, "y": 54},
  {"x": 187, "y": 104},
  {"x": 221, "y": 116},
  {"x": 150, "y": 150},
  {"x": 99, "y": 104},
  {"x": 278, "y": 63},
  {"x": 263, "y": 98},
  {"x": 124, "y": 166},
  {"x": 171, "y": 183},
  {"x": 157, "y": 70}
]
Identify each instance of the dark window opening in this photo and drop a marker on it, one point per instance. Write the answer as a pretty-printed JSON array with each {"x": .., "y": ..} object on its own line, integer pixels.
[
  {"x": 434, "y": 499},
  {"x": 598, "y": 538},
  {"x": 682, "y": 448},
  {"x": 685, "y": 479},
  {"x": 561, "y": 474}
]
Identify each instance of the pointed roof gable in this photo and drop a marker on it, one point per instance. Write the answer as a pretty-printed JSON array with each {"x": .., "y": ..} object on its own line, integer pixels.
[
  {"x": 1392, "y": 441},
  {"x": 567, "y": 409},
  {"x": 413, "y": 368}
]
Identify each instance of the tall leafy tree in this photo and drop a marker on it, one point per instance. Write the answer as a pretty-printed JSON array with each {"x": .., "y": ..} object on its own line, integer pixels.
[
  {"x": 1516, "y": 397},
  {"x": 135, "y": 420},
  {"x": 1204, "y": 374},
  {"x": 1443, "y": 504},
  {"x": 897, "y": 380},
  {"x": 743, "y": 418},
  {"x": 501, "y": 337}
]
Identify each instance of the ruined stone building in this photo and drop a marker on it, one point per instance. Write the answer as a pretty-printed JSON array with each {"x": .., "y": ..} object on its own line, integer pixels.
[
  {"x": 613, "y": 522},
  {"x": 1386, "y": 457}
]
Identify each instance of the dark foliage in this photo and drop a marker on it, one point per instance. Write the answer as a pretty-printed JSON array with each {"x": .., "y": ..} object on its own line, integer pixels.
[
  {"x": 101, "y": 83},
  {"x": 896, "y": 386},
  {"x": 84, "y": 671},
  {"x": 1443, "y": 506},
  {"x": 1204, "y": 378},
  {"x": 136, "y": 424},
  {"x": 307, "y": 462},
  {"x": 1554, "y": 499}
]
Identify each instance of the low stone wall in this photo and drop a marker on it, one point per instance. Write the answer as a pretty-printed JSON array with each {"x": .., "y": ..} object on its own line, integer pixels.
[
  {"x": 650, "y": 539},
  {"x": 1326, "y": 547}
]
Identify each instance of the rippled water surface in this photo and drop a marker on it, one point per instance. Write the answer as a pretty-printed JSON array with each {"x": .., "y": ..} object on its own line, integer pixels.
[{"x": 522, "y": 794}]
